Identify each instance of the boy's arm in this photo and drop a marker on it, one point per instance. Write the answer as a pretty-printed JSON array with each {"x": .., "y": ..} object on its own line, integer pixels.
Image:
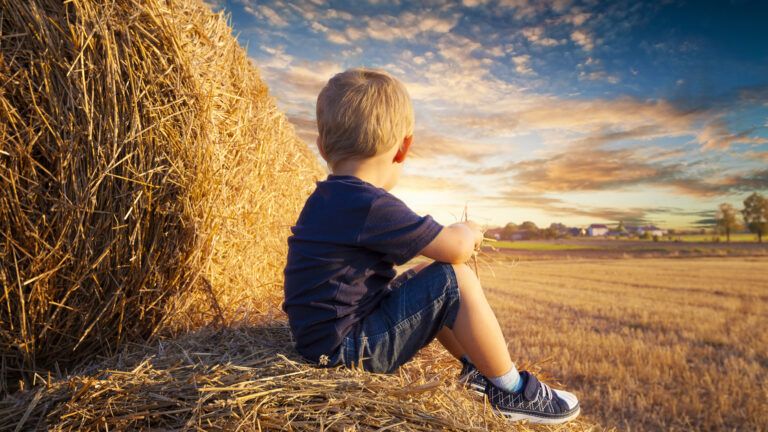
[{"x": 455, "y": 243}]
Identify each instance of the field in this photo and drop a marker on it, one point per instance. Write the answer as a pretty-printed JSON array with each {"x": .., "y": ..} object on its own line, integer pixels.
[
  {"x": 647, "y": 344},
  {"x": 626, "y": 248}
]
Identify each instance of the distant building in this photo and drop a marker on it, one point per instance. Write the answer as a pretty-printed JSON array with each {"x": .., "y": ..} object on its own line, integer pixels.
[
  {"x": 577, "y": 232},
  {"x": 652, "y": 230},
  {"x": 597, "y": 230}
]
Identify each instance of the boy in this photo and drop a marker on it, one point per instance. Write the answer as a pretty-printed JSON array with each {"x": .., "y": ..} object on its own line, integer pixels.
[{"x": 345, "y": 305}]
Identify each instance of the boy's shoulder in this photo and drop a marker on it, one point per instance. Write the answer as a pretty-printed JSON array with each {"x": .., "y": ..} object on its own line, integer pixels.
[
  {"x": 349, "y": 211},
  {"x": 351, "y": 184},
  {"x": 350, "y": 194}
]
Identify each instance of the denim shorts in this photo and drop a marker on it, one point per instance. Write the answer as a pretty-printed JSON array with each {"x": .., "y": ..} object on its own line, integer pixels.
[{"x": 406, "y": 320}]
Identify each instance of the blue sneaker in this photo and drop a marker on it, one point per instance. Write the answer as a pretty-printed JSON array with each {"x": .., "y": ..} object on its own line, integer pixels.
[
  {"x": 472, "y": 378},
  {"x": 536, "y": 403}
]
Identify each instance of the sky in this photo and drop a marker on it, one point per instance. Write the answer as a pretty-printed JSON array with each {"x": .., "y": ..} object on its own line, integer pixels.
[{"x": 549, "y": 110}]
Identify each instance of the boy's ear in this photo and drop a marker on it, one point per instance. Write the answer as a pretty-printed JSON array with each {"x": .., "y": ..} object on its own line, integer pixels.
[{"x": 403, "y": 150}]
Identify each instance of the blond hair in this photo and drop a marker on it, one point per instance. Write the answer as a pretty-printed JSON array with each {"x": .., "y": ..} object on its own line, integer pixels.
[{"x": 360, "y": 113}]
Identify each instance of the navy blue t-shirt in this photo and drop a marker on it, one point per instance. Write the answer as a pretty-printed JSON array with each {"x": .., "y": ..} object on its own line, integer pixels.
[{"x": 341, "y": 258}]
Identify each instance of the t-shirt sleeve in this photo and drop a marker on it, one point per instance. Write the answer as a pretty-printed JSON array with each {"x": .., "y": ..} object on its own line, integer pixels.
[{"x": 396, "y": 231}]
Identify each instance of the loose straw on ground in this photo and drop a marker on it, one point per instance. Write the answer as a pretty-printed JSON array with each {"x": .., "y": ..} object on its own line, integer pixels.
[{"x": 251, "y": 379}]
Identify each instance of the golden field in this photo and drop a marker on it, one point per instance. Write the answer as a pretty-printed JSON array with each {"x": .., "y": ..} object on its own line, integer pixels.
[{"x": 647, "y": 344}]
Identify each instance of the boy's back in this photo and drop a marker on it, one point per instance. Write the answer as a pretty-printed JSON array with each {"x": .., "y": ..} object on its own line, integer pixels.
[
  {"x": 344, "y": 246},
  {"x": 344, "y": 304}
]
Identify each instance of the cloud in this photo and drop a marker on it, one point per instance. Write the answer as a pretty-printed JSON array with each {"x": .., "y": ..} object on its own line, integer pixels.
[
  {"x": 474, "y": 3},
  {"x": 749, "y": 182},
  {"x": 756, "y": 155},
  {"x": 559, "y": 208},
  {"x": 523, "y": 64},
  {"x": 433, "y": 183},
  {"x": 306, "y": 129},
  {"x": 584, "y": 169},
  {"x": 588, "y": 170},
  {"x": 576, "y": 18},
  {"x": 388, "y": 28},
  {"x": 295, "y": 83},
  {"x": 428, "y": 144},
  {"x": 523, "y": 8},
  {"x": 716, "y": 135},
  {"x": 536, "y": 36},
  {"x": 267, "y": 13},
  {"x": 598, "y": 76},
  {"x": 583, "y": 39},
  {"x": 215, "y": 5},
  {"x": 580, "y": 116}
]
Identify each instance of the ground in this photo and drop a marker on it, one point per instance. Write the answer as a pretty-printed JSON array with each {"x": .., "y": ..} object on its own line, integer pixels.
[
  {"x": 647, "y": 344},
  {"x": 580, "y": 248}
]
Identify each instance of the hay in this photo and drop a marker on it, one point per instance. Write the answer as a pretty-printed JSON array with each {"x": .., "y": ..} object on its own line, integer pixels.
[
  {"x": 251, "y": 379},
  {"x": 147, "y": 184},
  {"x": 147, "y": 180}
]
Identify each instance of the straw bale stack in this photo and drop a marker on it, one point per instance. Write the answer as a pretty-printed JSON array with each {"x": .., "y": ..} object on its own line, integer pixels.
[
  {"x": 250, "y": 379},
  {"x": 147, "y": 180}
]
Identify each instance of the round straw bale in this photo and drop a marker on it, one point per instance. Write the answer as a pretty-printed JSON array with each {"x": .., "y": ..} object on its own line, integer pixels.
[{"x": 147, "y": 180}]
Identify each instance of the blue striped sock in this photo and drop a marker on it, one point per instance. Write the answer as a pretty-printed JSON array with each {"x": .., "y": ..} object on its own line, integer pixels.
[{"x": 510, "y": 381}]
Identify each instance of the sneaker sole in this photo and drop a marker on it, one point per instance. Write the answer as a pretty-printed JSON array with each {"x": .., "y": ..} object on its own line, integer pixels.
[{"x": 518, "y": 416}]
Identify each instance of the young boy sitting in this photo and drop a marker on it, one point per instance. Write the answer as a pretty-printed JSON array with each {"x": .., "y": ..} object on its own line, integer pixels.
[{"x": 345, "y": 305}]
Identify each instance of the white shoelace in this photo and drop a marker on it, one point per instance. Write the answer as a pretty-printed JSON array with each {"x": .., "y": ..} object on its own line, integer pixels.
[{"x": 544, "y": 391}]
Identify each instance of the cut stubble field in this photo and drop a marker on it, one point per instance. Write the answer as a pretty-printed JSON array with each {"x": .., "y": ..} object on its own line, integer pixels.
[{"x": 647, "y": 344}]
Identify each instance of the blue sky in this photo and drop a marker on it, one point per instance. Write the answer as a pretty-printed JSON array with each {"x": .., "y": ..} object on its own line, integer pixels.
[{"x": 550, "y": 111}]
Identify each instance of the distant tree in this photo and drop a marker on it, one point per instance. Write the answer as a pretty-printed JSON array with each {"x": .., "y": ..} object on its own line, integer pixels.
[
  {"x": 556, "y": 230},
  {"x": 509, "y": 230},
  {"x": 726, "y": 220},
  {"x": 621, "y": 227},
  {"x": 558, "y": 226},
  {"x": 755, "y": 215},
  {"x": 530, "y": 229}
]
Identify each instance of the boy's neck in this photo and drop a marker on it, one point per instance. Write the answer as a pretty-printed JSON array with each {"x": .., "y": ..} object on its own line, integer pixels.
[{"x": 376, "y": 170}]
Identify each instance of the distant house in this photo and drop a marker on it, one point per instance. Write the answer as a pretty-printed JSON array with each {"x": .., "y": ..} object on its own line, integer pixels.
[
  {"x": 597, "y": 230},
  {"x": 652, "y": 230},
  {"x": 577, "y": 232}
]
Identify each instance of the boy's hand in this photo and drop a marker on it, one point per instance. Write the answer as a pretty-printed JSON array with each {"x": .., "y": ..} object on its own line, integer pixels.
[
  {"x": 477, "y": 231},
  {"x": 456, "y": 243}
]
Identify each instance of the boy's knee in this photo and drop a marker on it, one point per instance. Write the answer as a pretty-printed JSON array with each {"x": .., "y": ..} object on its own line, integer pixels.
[{"x": 465, "y": 277}]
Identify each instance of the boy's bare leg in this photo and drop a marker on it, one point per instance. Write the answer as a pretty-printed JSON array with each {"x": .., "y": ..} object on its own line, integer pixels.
[
  {"x": 448, "y": 340},
  {"x": 476, "y": 328},
  {"x": 476, "y": 331}
]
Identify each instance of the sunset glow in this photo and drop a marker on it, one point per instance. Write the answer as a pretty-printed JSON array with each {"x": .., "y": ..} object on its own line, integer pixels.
[{"x": 550, "y": 111}]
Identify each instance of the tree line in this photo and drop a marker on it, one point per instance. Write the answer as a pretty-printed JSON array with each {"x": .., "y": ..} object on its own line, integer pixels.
[{"x": 754, "y": 215}]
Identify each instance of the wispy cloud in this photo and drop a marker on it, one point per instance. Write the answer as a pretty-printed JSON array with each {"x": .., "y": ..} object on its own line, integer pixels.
[
  {"x": 717, "y": 135},
  {"x": 388, "y": 28},
  {"x": 267, "y": 13},
  {"x": 561, "y": 209}
]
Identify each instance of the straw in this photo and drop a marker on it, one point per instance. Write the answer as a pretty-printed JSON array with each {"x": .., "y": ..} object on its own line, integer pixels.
[
  {"x": 147, "y": 180},
  {"x": 250, "y": 379}
]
